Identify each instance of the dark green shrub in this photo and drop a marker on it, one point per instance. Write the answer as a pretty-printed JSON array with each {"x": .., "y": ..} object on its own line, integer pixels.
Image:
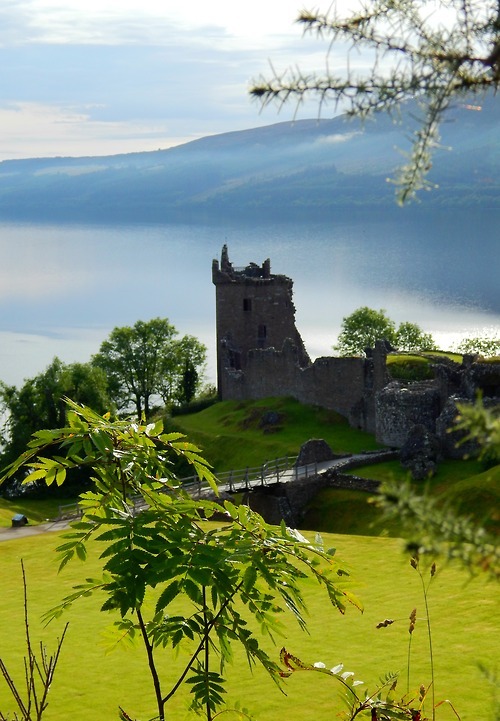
[{"x": 409, "y": 368}]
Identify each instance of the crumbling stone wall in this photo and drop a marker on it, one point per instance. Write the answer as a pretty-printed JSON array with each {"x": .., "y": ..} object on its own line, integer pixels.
[
  {"x": 345, "y": 385},
  {"x": 480, "y": 376},
  {"x": 333, "y": 383},
  {"x": 400, "y": 406}
]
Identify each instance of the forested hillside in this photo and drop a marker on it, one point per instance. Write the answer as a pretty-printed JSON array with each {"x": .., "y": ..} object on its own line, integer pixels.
[{"x": 307, "y": 169}]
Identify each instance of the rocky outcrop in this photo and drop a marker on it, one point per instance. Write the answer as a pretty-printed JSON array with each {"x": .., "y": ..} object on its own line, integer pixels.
[{"x": 315, "y": 450}]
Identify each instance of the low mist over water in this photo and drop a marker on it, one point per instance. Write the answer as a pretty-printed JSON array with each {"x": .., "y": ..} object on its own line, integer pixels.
[{"x": 64, "y": 288}]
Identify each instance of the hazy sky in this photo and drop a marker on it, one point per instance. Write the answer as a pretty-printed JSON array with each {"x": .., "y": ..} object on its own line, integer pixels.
[{"x": 84, "y": 77}]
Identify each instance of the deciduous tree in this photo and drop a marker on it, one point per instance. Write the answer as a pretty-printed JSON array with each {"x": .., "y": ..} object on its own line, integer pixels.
[
  {"x": 188, "y": 383},
  {"x": 190, "y": 356},
  {"x": 236, "y": 579},
  {"x": 39, "y": 403},
  {"x": 410, "y": 337},
  {"x": 362, "y": 329},
  {"x": 146, "y": 360},
  {"x": 486, "y": 346},
  {"x": 365, "y": 326}
]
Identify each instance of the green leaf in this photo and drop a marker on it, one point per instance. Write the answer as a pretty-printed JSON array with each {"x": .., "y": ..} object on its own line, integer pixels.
[
  {"x": 50, "y": 476},
  {"x": 169, "y": 438},
  {"x": 68, "y": 555},
  {"x": 352, "y": 598},
  {"x": 192, "y": 591},
  {"x": 35, "y": 476},
  {"x": 231, "y": 509},
  {"x": 201, "y": 576},
  {"x": 154, "y": 429},
  {"x": 101, "y": 442},
  {"x": 249, "y": 578},
  {"x": 168, "y": 595},
  {"x": 60, "y": 476},
  {"x": 81, "y": 551}
]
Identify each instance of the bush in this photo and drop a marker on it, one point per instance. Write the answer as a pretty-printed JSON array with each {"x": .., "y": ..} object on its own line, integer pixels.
[{"x": 409, "y": 368}]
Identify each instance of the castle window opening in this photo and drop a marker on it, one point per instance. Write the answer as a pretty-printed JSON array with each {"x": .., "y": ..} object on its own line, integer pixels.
[
  {"x": 261, "y": 335},
  {"x": 234, "y": 360},
  {"x": 247, "y": 304}
]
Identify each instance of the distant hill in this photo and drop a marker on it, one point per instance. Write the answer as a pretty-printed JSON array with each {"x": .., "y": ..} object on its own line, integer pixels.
[{"x": 308, "y": 169}]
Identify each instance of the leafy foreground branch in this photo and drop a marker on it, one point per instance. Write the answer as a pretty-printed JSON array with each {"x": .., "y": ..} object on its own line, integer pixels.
[
  {"x": 39, "y": 670},
  {"x": 437, "y": 531},
  {"x": 240, "y": 575}
]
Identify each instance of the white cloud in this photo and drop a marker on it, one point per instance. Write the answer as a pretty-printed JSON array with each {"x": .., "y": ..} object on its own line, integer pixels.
[
  {"x": 35, "y": 129},
  {"x": 337, "y": 138},
  {"x": 112, "y": 21}
]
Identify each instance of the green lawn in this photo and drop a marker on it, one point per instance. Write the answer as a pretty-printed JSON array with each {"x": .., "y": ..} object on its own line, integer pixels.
[
  {"x": 340, "y": 510},
  {"x": 35, "y": 511},
  {"x": 232, "y": 435},
  {"x": 91, "y": 683},
  {"x": 466, "y": 485}
]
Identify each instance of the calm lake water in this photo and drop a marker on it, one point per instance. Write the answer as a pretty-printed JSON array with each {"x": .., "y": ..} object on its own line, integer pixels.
[{"x": 63, "y": 288}]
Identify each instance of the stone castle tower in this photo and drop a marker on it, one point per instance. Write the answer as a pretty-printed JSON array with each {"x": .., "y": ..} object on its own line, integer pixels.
[{"x": 254, "y": 310}]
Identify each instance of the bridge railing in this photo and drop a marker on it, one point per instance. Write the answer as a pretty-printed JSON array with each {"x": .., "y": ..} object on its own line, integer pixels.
[
  {"x": 231, "y": 481},
  {"x": 245, "y": 478},
  {"x": 69, "y": 511}
]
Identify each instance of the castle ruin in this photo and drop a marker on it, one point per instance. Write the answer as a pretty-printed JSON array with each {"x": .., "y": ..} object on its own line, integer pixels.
[{"x": 260, "y": 354}]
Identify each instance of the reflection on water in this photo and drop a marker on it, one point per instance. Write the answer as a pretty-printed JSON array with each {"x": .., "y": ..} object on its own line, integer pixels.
[{"x": 63, "y": 288}]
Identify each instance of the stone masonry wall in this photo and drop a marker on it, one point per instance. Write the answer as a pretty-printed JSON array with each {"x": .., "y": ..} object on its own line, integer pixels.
[
  {"x": 254, "y": 310},
  {"x": 333, "y": 383},
  {"x": 400, "y": 407}
]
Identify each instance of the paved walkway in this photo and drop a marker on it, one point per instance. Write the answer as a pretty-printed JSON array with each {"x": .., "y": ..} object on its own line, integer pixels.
[{"x": 7, "y": 534}]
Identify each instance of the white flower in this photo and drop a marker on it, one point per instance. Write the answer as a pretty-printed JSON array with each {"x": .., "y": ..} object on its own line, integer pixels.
[
  {"x": 357, "y": 683},
  {"x": 337, "y": 669},
  {"x": 319, "y": 664},
  {"x": 347, "y": 674}
]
